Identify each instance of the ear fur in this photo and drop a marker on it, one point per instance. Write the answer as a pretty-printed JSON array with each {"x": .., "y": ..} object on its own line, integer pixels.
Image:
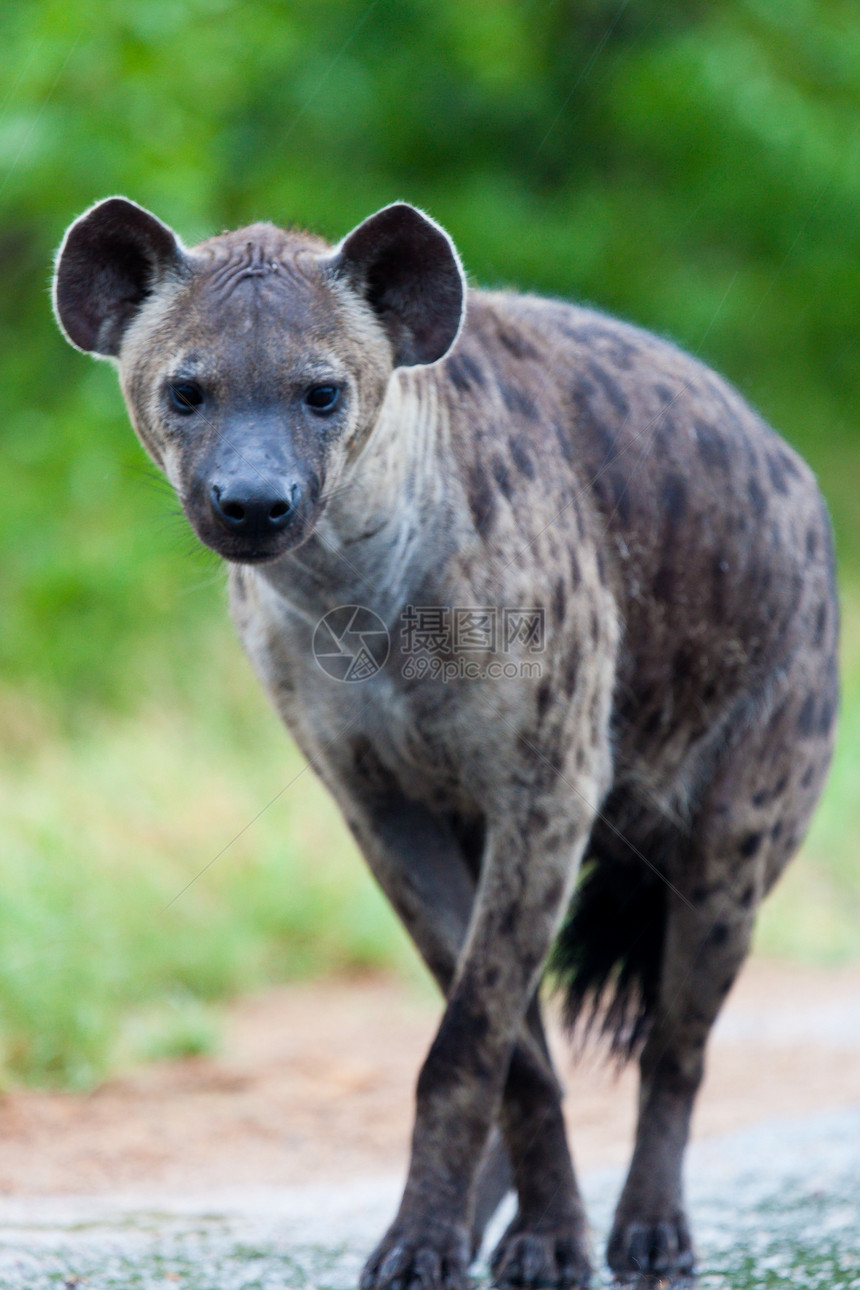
[
  {"x": 110, "y": 259},
  {"x": 405, "y": 266}
]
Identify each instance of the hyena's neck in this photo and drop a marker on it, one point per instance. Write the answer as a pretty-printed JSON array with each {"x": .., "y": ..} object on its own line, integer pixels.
[{"x": 389, "y": 519}]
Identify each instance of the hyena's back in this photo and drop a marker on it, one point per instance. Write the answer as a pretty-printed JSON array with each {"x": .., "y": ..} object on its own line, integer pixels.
[{"x": 712, "y": 532}]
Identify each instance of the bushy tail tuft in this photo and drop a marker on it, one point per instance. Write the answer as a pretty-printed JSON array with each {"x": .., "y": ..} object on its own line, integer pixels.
[{"x": 608, "y": 955}]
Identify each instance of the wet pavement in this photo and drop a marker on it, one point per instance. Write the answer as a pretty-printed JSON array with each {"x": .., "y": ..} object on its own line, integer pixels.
[{"x": 774, "y": 1206}]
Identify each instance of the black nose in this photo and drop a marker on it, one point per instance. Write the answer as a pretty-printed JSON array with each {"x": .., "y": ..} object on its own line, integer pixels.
[{"x": 255, "y": 511}]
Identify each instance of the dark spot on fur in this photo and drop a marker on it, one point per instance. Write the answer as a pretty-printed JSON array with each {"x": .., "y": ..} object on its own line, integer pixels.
[
  {"x": 760, "y": 798},
  {"x": 788, "y": 464},
  {"x": 673, "y": 497},
  {"x": 749, "y": 845},
  {"x": 595, "y": 628},
  {"x": 565, "y": 443},
  {"x": 590, "y": 423},
  {"x": 611, "y": 343},
  {"x": 610, "y": 388},
  {"x": 508, "y": 922},
  {"x": 522, "y": 458},
  {"x": 747, "y": 896},
  {"x": 807, "y": 777},
  {"x": 811, "y": 543},
  {"x": 464, "y": 373},
  {"x": 559, "y": 601},
  {"x": 575, "y": 573},
  {"x": 538, "y": 820},
  {"x": 518, "y": 401},
  {"x": 776, "y": 831},
  {"x": 806, "y": 717},
  {"x": 653, "y": 723},
  {"x": 712, "y": 446},
  {"x": 517, "y": 345},
  {"x": 718, "y": 934},
  {"x": 601, "y": 567},
  {"x": 758, "y": 501},
  {"x": 553, "y": 894},
  {"x": 684, "y": 663},
  {"x": 501, "y": 476},
  {"x": 700, "y": 894},
  {"x": 664, "y": 582},
  {"x": 820, "y": 624},
  {"x": 544, "y": 695},
  {"x": 481, "y": 500},
  {"x": 611, "y": 491},
  {"x": 776, "y": 471},
  {"x": 571, "y": 669},
  {"x": 826, "y": 717}
]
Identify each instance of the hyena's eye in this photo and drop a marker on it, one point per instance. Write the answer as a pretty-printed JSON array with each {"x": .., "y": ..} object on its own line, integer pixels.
[
  {"x": 322, "y": 398},
  {"x": 186, "y": 396}
]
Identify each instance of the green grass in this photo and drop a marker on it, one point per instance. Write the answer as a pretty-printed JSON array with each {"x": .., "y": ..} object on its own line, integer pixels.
[
  {"x": 178, "y": 854},
  {"x": 163, "y": 858}
]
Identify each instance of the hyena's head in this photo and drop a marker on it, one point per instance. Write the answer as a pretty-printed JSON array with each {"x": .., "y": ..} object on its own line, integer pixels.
[{"x": 254, "y": 365}]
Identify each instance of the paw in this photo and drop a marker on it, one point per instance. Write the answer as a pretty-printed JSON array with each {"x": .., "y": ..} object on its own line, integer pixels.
[
  {"x": 553, "y": 1259},
  {"x": 419, "y": 1259},
  {"x": 661, "y": 1248}
]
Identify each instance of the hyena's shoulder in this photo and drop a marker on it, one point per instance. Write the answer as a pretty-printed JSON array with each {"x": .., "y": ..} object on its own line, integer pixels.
[{"x": 540, "y": 390}]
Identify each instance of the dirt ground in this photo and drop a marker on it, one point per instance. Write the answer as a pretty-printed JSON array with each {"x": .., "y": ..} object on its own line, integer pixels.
[{"x": 315, "y": 1082}]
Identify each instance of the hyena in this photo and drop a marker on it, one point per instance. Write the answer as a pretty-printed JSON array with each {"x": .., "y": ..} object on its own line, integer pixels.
[{"x": 350, "y": 426}]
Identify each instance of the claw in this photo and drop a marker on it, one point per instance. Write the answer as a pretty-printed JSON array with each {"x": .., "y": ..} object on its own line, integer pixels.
[
  {"x": 661, "y": 1248},
  {"x": 540, "y": 1261},
  {"x": 405, "y": 1261}
]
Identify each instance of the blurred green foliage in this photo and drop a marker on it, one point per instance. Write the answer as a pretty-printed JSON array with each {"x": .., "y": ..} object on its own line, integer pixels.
[{"x": 694, "y": 167}]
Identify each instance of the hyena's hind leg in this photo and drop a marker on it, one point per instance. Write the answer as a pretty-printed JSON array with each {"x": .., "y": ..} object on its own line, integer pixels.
[{"x": 753, "y": 814}]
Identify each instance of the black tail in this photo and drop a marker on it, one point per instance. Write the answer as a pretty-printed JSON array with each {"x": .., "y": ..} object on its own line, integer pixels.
[{"x": 608, "y": 955}]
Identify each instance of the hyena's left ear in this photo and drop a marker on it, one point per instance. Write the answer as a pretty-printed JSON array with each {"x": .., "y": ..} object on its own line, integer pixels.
[
  {"x": 407, "y": 269},
  {"x": 110, "y": 260}
]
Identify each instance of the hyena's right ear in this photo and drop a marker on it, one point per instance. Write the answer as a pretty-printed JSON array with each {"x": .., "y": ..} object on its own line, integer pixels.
[{"x": 110, "y": 260}]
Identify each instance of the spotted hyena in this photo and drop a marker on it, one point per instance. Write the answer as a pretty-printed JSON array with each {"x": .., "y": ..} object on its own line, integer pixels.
[{"x": 350, "y": 426}]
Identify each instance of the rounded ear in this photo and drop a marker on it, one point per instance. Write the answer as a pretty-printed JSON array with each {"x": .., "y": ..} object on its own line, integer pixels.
[
  {"x": 407, "y": 269},
  {"x": 110, "y": 260}
]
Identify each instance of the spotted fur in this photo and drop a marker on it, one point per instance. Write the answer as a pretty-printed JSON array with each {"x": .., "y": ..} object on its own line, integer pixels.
[{"x": 674, "y": 738}]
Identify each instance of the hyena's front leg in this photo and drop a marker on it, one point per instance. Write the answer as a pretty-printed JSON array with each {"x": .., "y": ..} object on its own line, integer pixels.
[
  {"x": 529, "y": 868},
  {"x": 546, "y": 1243},
  {"x": 430, "y": 876}
]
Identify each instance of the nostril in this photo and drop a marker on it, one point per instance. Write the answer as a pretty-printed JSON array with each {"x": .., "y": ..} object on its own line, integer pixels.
[
  {"x": 243, "y": 510},
  {"x": 227, "y": 509}
]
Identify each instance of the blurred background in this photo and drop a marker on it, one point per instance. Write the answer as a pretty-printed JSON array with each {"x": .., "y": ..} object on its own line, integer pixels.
[{"x": 692, "y": 167}]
